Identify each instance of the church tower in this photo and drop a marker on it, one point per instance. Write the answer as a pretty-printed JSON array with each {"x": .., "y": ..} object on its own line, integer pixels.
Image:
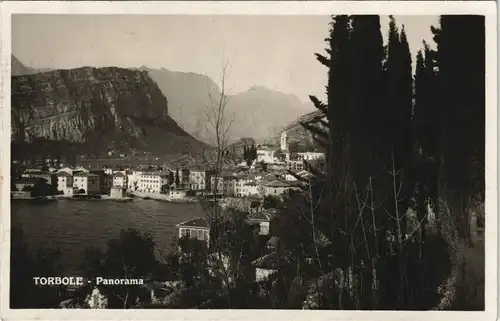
[{"x": 284, "y": 142}]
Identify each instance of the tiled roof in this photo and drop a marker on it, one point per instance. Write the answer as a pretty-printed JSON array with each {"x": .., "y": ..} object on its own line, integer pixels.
[
  {"x": 276, "y": 183},
  {"x": 197, "y": 167},
  {"x": 265, "y": 215},
  {"x": 197, "y": 222},
  {"x": 269, "y": 261},
  {"x": 118, "y": 174},
  {"x": 63, "y": 174},
  {"x": 85, "y": 174}
]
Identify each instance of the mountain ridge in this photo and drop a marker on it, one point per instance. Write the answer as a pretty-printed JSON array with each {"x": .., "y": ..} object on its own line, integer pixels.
[
  {"x": 259, "y": 112},
  {"x": 102, "y": 109}
]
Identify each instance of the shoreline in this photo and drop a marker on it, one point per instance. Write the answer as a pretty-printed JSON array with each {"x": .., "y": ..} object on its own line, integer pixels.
[{"x": 103, "y": 197}]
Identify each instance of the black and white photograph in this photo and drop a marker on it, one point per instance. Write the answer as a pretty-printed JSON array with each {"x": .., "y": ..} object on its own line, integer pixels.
[{"x": 250, "y": 161}]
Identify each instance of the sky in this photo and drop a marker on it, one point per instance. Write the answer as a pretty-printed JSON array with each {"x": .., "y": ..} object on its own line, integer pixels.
[{"x": 272, "y": 51}]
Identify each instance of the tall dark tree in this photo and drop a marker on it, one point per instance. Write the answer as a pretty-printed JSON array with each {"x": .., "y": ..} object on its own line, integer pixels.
[
  {"x": 427, "y": 130},
  {"x": 245, "y": 152},
  {"x": 462, "y": 97}
]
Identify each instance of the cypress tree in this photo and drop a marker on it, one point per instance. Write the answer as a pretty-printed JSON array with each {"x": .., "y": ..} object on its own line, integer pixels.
[
  {"x": 177, "y": 179},
  {"x": 462, "y": 96}
]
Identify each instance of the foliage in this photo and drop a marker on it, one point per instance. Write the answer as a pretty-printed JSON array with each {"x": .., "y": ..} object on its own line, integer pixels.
[
  {"x": 165, "y": 189},
  {"x": 371, "y": 216},
  {"x": 24, "y": 294},
  {"x": 271, "y": 201},
  {"x": 177, "y": 178},
  {"x": 129, "y": 256},
  {"x": 249, "y": 153}
]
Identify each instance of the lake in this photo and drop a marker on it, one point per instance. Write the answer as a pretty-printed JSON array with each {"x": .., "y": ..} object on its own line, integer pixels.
[{"x": 73, "y": 225}]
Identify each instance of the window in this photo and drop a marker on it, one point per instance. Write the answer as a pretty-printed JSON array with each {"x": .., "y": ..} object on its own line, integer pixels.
[
  {"x": 200, "y": 234},
  {"x": 188, "y": 232}
]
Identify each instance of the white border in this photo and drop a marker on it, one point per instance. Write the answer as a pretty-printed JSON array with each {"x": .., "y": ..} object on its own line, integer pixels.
[{"x": 487, "y": 8}]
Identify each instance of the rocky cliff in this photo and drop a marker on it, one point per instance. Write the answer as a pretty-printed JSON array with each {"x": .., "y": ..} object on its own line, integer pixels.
[
  {"x": 100, "y": 108},
  {"x": 18, "y": 68},
  {"x": 296, "y": 133}
]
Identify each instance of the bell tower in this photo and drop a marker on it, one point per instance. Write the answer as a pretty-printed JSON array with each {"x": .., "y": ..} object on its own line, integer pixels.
[{"x": 284, "y": 141}]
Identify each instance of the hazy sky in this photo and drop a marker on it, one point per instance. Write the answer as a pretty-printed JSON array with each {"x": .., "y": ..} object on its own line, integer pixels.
[{"x": 272, "y": 51}]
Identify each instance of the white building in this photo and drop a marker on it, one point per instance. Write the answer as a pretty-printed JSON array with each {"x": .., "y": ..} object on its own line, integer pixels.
[
  {"x": 151, "y": 182},
  {"x": 265, "y": 155},
  {"x": 310, "y": 156},
  {"x": 277, "y": 187},
  {"x": 197, "y": 228},
  {"x": 86, "y": 181},
  {"x": 119, "y": 179},
  {"x": 198, "y": 178},
  {"x": 265, "y": 266},
  {"x": 117, "y": 192},
  {"x": 65, "y": 183}
]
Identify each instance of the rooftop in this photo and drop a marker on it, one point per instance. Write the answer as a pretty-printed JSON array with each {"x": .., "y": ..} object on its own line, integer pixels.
[
  {"x": 265, "y": 216},
  {"x": 197, "y": 222},
  {"x": 269, "y": 261},
  {"x": 85, "y": 174},
  {"x": 277, "y": 183},
  {"x": 118, "y": 174},
  {"x": 197, "y": 167},
  {"x": 63, "y": 174}
]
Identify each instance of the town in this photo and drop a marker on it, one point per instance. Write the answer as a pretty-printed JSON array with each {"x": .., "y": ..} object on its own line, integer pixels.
[
  {"x": 254, "y": 186},
  {"x": 250, "y": 181},
  {"x": 272, "y": 172}
]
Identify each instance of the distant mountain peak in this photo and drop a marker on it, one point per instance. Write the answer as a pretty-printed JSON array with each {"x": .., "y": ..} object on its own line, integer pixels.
[{"x": 259, "y": 88}]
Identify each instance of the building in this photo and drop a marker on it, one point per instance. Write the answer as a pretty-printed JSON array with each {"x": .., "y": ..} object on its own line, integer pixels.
[
  {"x": 152, "y": 182},
  {"x": 250, "y": 188},
  {"x": 265, "y": 266},
  {"x": 277, "y": 187},
  {"x": 198, "y": 178},
  {"x": 119, "y": 179},
  {"x": 197, "y": 228},
  {"x": 265, "y": 155},
  {"x": 86, "y": 181},
  {"x": 264, "y": 219},
  {"x": 65, "y": 182},
  {"x": 310, "y": 156},
  {"x": 176, "y": 194},
  {"x": 22, "y": 183},
  {"x": 225, "y": 183},
  {"x": 295, "y": 165},
  {"x": 50, "y": 178},
  {"x": 284, "y": 142},
  {"x": 117, "y": 192}
]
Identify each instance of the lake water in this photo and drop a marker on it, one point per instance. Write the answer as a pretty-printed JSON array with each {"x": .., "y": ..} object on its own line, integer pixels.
[{"x": 73, "y": 225}]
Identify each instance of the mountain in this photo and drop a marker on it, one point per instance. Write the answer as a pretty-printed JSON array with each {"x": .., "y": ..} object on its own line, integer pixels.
[
  {"x": 258, "y": 112},
  {"x": 187, "y": 94},
  {"x": 296, "y": 134},
  {"x": 97, "y": 109},
  {"x": 19, "y": 69}
]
